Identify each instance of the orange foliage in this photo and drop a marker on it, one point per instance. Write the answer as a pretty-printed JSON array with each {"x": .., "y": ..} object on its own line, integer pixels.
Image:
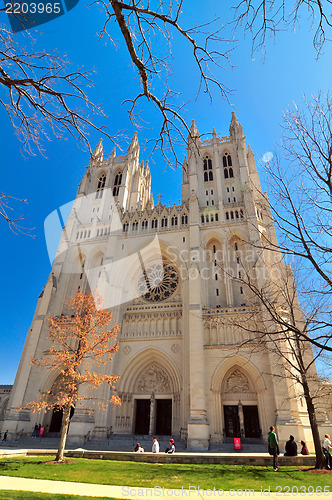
[{"x": 79, "y": 345}]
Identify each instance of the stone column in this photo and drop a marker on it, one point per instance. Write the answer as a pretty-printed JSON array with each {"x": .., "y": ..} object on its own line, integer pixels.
[
  {"x": 198, "y": 426},
  {"x": 152, "y": 414},
  {"x": 241, "y": 419}
]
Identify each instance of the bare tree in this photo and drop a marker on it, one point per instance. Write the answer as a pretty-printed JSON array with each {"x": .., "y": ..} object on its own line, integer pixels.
[
  {"x": 7, "y": 214},
  {"x": 274, "y": 321},
  {"x": 41, "y": 96},
  {"x": 266, "y": 17},
  {"x": 300, "y": 180},
  {"x": 150, "y": 31}
]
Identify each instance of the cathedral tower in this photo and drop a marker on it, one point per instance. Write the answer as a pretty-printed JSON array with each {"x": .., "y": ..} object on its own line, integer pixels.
[{"x": 170, "y": 276}]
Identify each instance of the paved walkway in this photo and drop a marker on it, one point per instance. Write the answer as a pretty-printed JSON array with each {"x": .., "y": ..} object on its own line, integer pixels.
[{"x": 133, "y": 493}]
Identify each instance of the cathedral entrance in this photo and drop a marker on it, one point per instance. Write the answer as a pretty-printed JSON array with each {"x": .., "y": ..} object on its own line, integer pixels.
[
  {"x": 232, "y": 421},
  {"x": 153, "y": 416},
  {"x": 164, "y": 417},
  {"x": 142, "y": 420},
  {"x": 56, "y": 419},
  {"x": 251, "y": 421}
]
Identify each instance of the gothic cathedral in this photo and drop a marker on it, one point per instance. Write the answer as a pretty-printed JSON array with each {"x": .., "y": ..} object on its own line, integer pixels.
[{"x": 187, "y": 367}]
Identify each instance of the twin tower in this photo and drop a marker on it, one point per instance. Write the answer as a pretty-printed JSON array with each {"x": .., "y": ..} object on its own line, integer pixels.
[{"x": 172, "y": 277}]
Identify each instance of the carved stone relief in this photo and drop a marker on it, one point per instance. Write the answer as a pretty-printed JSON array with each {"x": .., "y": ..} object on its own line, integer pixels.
[
  {"x": 155, "y": 380},
  {"x": 237, "y": 382}
]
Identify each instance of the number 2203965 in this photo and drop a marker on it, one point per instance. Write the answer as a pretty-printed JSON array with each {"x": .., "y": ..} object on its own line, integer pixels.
[
  {"x": 33, "y": 8},
  {"x": 302, "y": 490}
]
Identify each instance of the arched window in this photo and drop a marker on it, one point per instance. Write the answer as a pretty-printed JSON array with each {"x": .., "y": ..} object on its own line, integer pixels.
[
  {"x": 232, "y": 215},
  {"x": 227, "y": 216},
  {"x": 154, "y": 224},
  {"x": 134, "y": 226},
  {"x": 227, "y": 160},
  {"x": 101, "y": 185},
  {"x": 236, "y": 247},
  {"x": 125, "y": 227},
  {"x": 144, "y": 224},
  {"x": 184, "y": 219},
  {"x": 117, "y": 184},
  {"x": 174, "y": 221},
  {"x": 236, "y": 214},
  {"x": 227, "y": 164},
  {"x": 207, "y": 167},
  {"x": 217, "y": 217},
  {"x": 164, "y": 222},
  {"x": 202, "y": 219}
]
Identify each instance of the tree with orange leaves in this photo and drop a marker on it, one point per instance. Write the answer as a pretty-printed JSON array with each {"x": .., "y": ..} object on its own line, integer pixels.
[{"x": 80, "y": 345}]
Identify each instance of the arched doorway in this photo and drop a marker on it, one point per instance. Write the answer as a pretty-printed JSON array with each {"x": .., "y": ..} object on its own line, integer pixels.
[
  {"x": 153, "y": 414},
  {"x": 240, "y": 406},
  {"x": 56, "y": 419},
  {"x": 151, "y": 396}
]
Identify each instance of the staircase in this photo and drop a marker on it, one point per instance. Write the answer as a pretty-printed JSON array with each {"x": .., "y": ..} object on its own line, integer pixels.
[{"x": 127, "y": 442}]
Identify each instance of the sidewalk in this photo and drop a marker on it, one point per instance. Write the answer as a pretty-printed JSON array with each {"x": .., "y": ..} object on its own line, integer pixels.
[{"x": 132, "y": 493}]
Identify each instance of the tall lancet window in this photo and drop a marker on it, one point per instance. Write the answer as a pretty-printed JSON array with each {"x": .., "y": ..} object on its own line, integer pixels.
[
  {"x": 117, "y": 184},
  {"x": 227, "y": 164},
  {"x": 207, "y": 167},
  {"x": 101, "y": 186}
]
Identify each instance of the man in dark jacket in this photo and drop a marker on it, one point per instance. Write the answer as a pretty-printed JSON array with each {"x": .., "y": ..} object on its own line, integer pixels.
[
  {"x": 273, "y": 447},
  {"x": 291, "y": 448}
]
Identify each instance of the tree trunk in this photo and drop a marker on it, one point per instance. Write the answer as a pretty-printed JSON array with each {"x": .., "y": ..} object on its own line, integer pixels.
[
  {"x": 320, "y": 458},
  {"x": 64, "y": 430}
]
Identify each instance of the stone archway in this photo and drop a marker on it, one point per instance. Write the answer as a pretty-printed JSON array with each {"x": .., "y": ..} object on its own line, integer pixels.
[
  {"x": 150, "y": 394},
  {"x": 153, "y": 415},
  {"x": 240, "y": 405},
  {"x": 239, "y": 392}
]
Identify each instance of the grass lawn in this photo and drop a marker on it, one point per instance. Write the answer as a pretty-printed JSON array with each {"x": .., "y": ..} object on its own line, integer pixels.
[
  {"x": 30, "y": 495},
  {"x": 135, "y": 474}
]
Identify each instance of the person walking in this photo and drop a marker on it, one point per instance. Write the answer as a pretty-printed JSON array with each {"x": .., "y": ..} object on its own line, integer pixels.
[
  {"x": 273, "y": 447},
  {"x": 155, "y": 445},
  {"x": 327, "y": 446},
  {"x": 5, "y": 437}
]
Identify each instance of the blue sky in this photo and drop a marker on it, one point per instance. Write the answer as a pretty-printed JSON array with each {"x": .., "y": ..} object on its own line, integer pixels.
[{"x": 262, "y": 90}]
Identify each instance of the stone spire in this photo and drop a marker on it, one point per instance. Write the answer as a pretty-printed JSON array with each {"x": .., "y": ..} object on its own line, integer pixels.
[
  {"x": 185, "y": 170},
  {"x": 193, "y": 131},
  {"x": 134, "y": 143},
  {"x": 235, "y": 129},
  {"x": 98, "y": 154}
]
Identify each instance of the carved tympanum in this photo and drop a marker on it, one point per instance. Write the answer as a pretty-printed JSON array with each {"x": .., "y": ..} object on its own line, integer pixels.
[
  {"x": 237, "y": 382},
  {"x": 154, "y": 379}
]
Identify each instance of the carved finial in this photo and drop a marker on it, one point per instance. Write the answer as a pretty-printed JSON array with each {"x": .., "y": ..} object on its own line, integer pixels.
[
  {"x": 134, "y": 142},
  {"x": 159, "y": 196},
  {"x": 193, "y": 130},
  {"x": 214, "y": 133},
  {"x": 235, "y": 128},
  {"x": 98, "y": 154}
]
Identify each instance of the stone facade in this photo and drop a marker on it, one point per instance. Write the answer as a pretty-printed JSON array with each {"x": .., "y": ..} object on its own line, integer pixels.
[{"x": 186, "y": 366}]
